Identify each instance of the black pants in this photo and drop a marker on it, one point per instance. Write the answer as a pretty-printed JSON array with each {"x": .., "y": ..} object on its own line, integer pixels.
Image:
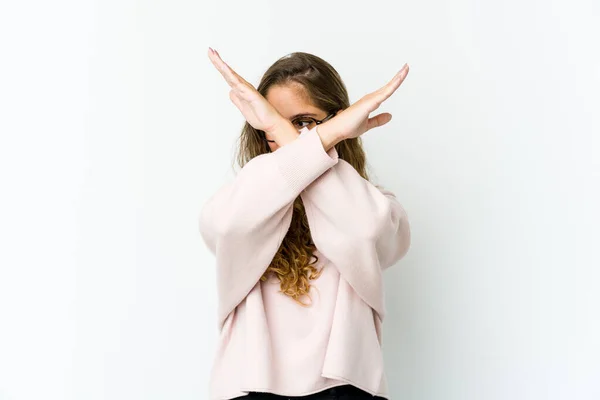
[{"x": 344, "y": 392}]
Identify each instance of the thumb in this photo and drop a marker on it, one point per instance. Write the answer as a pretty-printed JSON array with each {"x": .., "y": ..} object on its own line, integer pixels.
[{"x": 378, "y": 120}]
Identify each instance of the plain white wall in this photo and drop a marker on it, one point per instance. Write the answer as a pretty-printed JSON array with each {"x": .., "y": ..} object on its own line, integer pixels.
[{"x": 115, "y": 128}]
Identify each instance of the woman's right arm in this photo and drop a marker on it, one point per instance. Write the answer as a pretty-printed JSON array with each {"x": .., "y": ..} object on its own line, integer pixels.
[
  {"x": 244, "y": 222},
  {"x": 252, "y": 213}
]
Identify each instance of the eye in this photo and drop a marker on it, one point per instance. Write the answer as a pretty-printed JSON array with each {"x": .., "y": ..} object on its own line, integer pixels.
[{"x": 298, "y": 122}]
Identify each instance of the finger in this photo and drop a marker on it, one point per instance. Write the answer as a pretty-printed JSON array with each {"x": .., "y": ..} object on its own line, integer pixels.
[
  {"x": 386, "y": 91},
  {"x": 232, "y": 78},
  {"x": 378, "y": 120},
  {"x": 395, "y": 82},
  {"x": 373, "y": 100},
  {"x": 232, "y": 70},
  {"x": 223, "y": 68}
]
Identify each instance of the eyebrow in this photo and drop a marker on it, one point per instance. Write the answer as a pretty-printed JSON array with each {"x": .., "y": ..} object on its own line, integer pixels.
[{"x": 303, "y": 115}]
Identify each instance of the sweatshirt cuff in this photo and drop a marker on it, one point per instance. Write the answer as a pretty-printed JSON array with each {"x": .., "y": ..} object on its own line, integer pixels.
[{"x": 305, "y": 159}]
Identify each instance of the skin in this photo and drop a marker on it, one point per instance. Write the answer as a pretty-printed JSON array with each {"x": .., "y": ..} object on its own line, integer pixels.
[
  {"x": 289, "y": 101},
  {"x": 262, "y": 115}
]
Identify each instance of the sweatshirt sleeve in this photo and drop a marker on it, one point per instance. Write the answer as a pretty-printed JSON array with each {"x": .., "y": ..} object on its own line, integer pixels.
[
  {"x": 244, "y": 222},
  {"x": 351, "y": 219}
]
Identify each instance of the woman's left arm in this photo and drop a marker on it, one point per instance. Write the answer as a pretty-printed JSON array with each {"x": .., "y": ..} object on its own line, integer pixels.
[{"x": 352, "y": 218}]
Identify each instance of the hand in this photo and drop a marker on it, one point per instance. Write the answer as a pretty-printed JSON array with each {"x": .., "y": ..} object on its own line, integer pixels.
[
  {"x": 354, "y": 120},
  {"x": 259, "y": 113}
]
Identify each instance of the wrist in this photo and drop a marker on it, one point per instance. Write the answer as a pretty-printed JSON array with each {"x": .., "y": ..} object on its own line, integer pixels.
[
  {"x": 283, "y": 133},
  {"x": 328, "y": 138}
]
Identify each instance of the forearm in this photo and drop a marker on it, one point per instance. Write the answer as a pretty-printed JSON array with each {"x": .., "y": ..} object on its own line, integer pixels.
[
  {"x": 264, "y": 190},
  {"x": 341, "y": 204}
]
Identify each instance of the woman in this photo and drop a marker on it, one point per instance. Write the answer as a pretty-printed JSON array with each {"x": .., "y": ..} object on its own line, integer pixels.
[{"x": 301, "y": 239}]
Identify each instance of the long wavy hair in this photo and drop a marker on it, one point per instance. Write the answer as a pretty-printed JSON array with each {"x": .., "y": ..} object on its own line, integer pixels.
[{"x": 293, "y": 263}]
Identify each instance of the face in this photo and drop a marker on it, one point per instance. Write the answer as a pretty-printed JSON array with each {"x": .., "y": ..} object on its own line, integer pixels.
[{"x": 291, "y": 102}]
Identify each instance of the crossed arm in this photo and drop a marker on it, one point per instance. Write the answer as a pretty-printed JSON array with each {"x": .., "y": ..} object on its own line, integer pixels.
[
  {"x": 246, "y": 220},
  {"x": 361, "y": 228}
]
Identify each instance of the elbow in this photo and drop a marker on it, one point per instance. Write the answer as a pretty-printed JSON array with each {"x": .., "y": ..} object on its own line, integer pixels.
[
  {"x": 393, "y": 244},
  {"x": 214, "y": 226},
  {"x": 404, "y": 238},
  {"x": 207, "y": 235},
  {"x": 215, "y": 234},
  {"x": 382, "y": 223}
]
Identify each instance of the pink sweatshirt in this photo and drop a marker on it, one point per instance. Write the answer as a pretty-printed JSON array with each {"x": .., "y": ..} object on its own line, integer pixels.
[{"x": 358, "y": 228}]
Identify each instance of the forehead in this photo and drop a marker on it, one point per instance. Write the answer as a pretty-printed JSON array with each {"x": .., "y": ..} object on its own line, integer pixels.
[{"x": 291, "y": 99}]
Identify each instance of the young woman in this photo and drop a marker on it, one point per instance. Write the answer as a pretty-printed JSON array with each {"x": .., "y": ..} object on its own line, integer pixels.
[{"x": 301, "y": 239}]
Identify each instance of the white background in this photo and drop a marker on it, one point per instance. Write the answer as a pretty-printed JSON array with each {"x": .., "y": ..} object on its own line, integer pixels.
[{"x": 115, "y": 128}]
